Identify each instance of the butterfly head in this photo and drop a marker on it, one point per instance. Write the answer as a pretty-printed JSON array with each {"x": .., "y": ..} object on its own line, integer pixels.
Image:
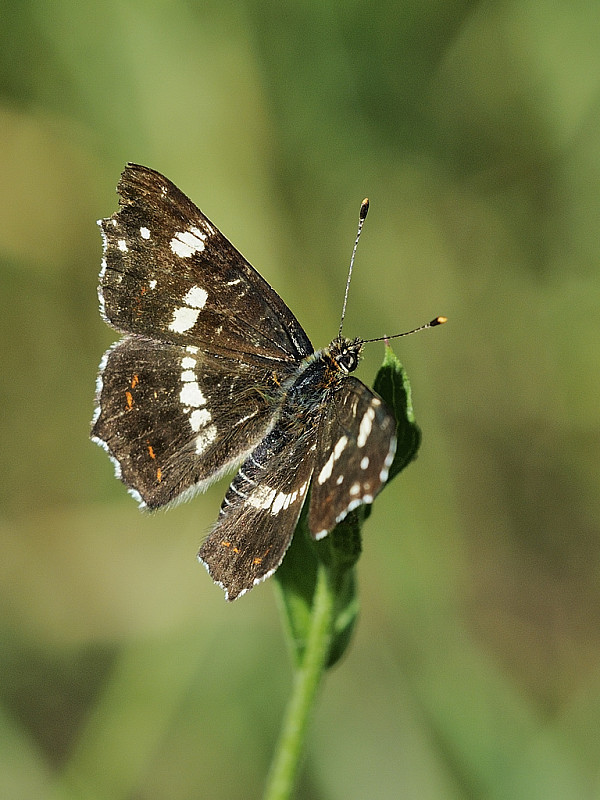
[{"x": 346, "y": 353}]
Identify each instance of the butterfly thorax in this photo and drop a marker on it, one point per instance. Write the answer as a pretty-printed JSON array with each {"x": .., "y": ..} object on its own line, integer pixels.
[
  {"x": 322, "y": 371},
  {"x": 308, "y": 392}
]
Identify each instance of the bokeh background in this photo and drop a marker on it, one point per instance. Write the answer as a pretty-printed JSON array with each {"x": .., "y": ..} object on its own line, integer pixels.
[{"x": 475, "y": 130}]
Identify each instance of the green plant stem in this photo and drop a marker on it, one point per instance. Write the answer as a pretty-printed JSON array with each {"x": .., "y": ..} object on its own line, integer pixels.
[{"x": 286, "y": 760}]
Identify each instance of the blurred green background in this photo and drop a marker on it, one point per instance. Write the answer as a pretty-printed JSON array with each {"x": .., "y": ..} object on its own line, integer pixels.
[{"x": 474, "y": 128}]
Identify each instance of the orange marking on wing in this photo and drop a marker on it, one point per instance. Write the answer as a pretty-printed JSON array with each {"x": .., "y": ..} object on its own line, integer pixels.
[
  {"x": 151, "y": 451},
  {"x": 129, "y": 399},
  {"x": 258, "y": 559},
  {"x": 159, "y": 474},
  {"x": 134, "y": 381}
]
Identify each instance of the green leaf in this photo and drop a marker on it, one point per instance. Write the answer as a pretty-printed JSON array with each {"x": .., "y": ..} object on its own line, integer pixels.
[
  {"x": 339, "y": 551},
  {"x": 392, "y": 384},
  {"x": 296, "y": 579}
]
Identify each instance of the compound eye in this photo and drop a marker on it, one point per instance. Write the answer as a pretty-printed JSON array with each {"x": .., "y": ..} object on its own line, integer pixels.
[{"x": 348, "y": 360}]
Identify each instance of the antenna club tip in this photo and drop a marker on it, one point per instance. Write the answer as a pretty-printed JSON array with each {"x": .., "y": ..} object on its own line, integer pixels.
[
  {"x": 364, "y": 207},
  {"x": 438, "y": 321}
]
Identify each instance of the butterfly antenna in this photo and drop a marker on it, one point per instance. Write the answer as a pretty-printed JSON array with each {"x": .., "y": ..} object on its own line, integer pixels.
[
  {"x": 364, "y": 207},
  {"x": 432, "y": 324}
]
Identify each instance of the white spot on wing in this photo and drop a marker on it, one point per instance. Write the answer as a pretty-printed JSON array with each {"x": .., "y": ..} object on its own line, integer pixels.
[
  {"x": 337, "y": 451},
  {"x": 366, "y": 424},
  {"x": 205, "y": 438},
  {"x": 186, "y": 243},
  {"x": 191, "y": 395},
  {"x": 340, "y": 447},
  {"x": 364, "y": 463},
  {"x": 283, "y": 500},
  {"x": 144, "y": 233},
  {"x": 352, "y": 505},
  {"x": 262, "y": 496},
  {"x": 188, "y": 363},
  {"x": 122, "y": 245},
  {"x": 184, "y": 318},
  {"x": 196, "y": 297},
  {"x": 383, "y": 475},
  {"x": 325, "y": 473},
  {"x": 152, "y": 283},
  {"x": 248, "y": 416},
  {"x": 199, "y": 418}
]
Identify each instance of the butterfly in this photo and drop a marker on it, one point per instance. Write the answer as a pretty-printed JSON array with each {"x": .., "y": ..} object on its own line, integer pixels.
[{"x": 214, "y": 373}]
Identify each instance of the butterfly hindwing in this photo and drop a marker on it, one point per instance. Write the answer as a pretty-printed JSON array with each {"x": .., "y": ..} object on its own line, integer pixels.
[
  {"x": 260, "y": 511},
  {"x": 175, "y": 418}
]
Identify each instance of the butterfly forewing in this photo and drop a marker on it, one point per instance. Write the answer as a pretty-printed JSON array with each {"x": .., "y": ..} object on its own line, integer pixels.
[
  {"x": 170, "y": 274},
  {"x": 356, "y": 447}
]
